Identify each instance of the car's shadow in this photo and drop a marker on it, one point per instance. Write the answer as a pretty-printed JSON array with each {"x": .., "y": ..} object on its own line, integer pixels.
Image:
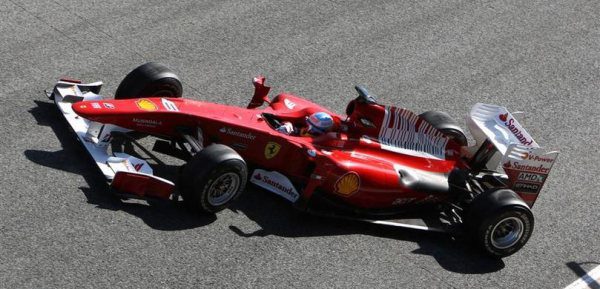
[{"x": 273, "y": 215}]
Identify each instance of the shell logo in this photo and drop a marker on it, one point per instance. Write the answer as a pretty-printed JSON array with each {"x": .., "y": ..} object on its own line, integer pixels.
[
  {"x": 146, "y": 104},
  {"x": 348, "y": 184}
]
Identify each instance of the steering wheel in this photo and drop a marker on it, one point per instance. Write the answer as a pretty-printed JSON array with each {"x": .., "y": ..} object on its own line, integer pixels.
[{"x": 364, "y": 96}]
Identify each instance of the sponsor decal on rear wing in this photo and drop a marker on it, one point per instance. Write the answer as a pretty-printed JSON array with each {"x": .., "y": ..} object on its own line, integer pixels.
[
  {"x": 498, "y": 125},
  {"x": 527, "y": 170},
  {"x": 526, "y": 164}
]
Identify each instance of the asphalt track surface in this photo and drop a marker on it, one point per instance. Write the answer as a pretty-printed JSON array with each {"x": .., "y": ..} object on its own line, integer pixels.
[{"x": 60, "y": 228}]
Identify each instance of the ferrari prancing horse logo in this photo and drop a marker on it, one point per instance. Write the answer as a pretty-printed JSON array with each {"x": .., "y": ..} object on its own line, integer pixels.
[{"x": 271, "y": 150}]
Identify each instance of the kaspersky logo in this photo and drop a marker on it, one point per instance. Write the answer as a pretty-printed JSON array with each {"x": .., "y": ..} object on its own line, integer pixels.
[{"x": 515, "y": 129}]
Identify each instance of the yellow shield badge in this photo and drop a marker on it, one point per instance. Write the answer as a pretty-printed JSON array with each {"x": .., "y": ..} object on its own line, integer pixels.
[
  {"x": 271, "y": 150},
  {"x": 348, "y": 184},
  {"x": 146, "y": 104}
]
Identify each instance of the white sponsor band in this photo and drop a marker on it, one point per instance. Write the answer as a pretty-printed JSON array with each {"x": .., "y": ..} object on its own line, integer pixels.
[
  {"x": 275, "y": 183},
  {"x": 169, "y": 105},
  {"x": 289, "y": 104},
  {"x": 513, "y": 126}
]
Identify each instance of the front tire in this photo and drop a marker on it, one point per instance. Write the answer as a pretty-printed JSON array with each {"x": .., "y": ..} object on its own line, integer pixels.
[
  {"x": 213, "y": 179},
  {"x": 149, "y": 80}
]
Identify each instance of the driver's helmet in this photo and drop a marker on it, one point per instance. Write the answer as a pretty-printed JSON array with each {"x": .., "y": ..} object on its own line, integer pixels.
[{"x": 318, "y": 123}]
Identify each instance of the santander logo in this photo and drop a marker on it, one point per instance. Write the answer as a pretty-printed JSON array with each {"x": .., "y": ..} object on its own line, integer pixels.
[
  {"x": 138, "y": 167},
  {"x": 275, "y": 184},
  {"x": 503, "y": 117},
  {"x": 515, "y": 129}
]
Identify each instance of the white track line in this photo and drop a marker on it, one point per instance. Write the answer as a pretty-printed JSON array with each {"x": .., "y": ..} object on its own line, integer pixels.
[{"x": 587, "y": 279}]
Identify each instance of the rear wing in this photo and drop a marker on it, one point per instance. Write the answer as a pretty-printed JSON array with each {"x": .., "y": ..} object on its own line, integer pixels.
[{"x": 526, "y": 164}]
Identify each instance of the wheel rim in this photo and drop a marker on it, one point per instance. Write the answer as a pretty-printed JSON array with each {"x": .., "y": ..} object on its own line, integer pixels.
[
  {"x": 507, "y": 232},
  {"x": 223, "y": 189}
]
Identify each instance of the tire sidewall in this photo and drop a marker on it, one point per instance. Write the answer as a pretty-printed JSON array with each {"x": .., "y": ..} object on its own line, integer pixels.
[
  {"x": 486, "y": 228},
  {"x": 149, "y": 80},
  {"x": 446, "y": 125},
  {"x": 165, "y": 84},
  {"x": 198, "y": 194}
]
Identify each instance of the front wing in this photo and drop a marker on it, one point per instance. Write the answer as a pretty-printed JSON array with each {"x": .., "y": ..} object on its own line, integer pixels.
[{"x": 127, "y": 174}]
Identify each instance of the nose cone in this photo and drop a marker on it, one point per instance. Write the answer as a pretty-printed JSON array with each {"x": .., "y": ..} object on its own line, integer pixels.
[
  {"x": 84, "y": 108},
  {"x": 94, "y": 110}
]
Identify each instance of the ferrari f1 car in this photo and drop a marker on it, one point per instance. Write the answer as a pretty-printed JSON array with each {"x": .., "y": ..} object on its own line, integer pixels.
[{"x": 379, "y": 163}]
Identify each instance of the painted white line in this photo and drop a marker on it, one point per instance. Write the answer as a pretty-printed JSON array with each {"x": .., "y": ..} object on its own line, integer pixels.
[{"x": 591, "y": 277}]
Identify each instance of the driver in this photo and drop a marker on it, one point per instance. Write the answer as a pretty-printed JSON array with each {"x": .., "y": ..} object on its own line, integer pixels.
[{"x": 316, "y": 124}]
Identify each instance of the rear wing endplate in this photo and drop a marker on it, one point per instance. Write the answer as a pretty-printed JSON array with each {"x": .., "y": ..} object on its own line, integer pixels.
[{"x": 526, "y": 164}]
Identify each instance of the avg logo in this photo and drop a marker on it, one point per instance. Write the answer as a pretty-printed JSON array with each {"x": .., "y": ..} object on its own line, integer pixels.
[{"x": 146, "y": 104}]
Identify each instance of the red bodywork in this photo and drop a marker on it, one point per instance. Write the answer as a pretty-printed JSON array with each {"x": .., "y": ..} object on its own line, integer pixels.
[{"x": 348, "y": 162}]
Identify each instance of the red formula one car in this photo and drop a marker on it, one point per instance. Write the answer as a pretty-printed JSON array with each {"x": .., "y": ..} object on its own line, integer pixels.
[{"x": 381, "y": 164}]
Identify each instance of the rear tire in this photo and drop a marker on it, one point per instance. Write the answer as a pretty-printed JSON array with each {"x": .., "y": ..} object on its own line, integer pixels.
[
  {"x": 446, "y": 125},
  {"x": 500, "y": 222},
  {"x": 213, "y": 178},
  {"x": 149, "y": 80}
]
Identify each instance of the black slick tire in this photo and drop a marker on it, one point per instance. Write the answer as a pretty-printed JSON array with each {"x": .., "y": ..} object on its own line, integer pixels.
[
  {"x": 500, "y": 222},
  {"x": 446, "y": 125},
  {"x": 213, "y": 179},
  {"x": 149, "y": 80}
]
